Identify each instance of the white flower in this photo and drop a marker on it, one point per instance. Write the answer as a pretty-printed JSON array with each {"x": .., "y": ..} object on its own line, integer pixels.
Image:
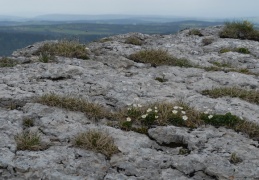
[
  {"x": 155, "y": 107},
  {"x": 156, "y": 111},
  {"x": 206, "y": 112},
  {"x": 176, "y": 107},
  {"x": 139, "y": 105},
  {"x": 149, "y": 110},
  {"x": 128, "y": 119},
  {"x": 180, "y": 107},
  {"x": 129, "y": 108},
  {"x": 185, "y": 117},
  {"x": 210, "y": 116},
  {"x": 144, "y": 116},
  {"x": 183, "y": 112},
  {"x": 134, "y": 105},
  {"x": 175, "y": 112},
  {"x": 156, "y": 117}
]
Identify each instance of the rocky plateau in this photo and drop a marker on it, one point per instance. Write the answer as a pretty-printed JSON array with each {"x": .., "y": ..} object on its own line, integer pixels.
[{"x": 111, "y": 79}]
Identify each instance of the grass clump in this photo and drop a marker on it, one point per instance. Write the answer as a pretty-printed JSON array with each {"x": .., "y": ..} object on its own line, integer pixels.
[
  {"x": 235, "y": 159},
  {"x": 28, "y": 122},
  {"x": 134, "y": 40},
  {"x": 94, "y": 111},
  {"x": 158, "y": 57},
  {"x": 251, "y": 96},
  {"x": 207, "y": 41},
  {"x": 239, "y": 50},
  {"x": 45, "y": 57},
  {"x": 242, "y": 50},
  {"x": 97, "y": 141},
  {"x": 239, "y": 30},
  {"x": 64, "y": 48},
  {"x": 28, "y": 140},
  {"x": 195, "y": 32},
  {"x": 7, "y": 62}
]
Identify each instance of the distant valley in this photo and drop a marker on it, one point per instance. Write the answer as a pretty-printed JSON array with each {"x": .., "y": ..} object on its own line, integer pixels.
[{"x": 18, "y": 32}]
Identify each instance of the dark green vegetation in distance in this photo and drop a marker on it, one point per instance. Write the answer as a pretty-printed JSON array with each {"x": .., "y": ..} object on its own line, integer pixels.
[
  {"x": 64, "y": 48},
  {"x": 140, "y": 118},
  {"x": 240, "y": 30},
  {"x": 18, "y": 36},
  {"x": 251, "y": 96},
  {"x": 158, "y": 57}
]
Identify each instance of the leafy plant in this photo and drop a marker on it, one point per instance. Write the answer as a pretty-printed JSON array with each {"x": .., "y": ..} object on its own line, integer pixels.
[{"x": 97, "y": 141}]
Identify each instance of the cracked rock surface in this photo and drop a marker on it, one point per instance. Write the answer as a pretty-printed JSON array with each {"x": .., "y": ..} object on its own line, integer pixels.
[{"x": 114, "y": 81}]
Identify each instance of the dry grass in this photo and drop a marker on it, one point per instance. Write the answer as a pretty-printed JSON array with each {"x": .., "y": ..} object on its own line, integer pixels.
[
  {"x": 93, "y": 111},
  {"x": 195, "y": 32},
  {"x": 134, "y": 40},
  {"x": 97, "y": 141},
  {"x": 159, "y": 57},
  {"x": 64, "y": 48},
  {"x": 251, "y": 96},
  {"x": 7, "y": 62},
  {"x": 28, "y": 140},
  {"x": 207, "y": 41}
]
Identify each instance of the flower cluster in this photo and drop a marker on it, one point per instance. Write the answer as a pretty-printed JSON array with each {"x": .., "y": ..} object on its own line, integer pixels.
[
  {"x": 208, "y": 112},
  {"x": 178, "y": 109},
  {"x": 150, "y": 116}
]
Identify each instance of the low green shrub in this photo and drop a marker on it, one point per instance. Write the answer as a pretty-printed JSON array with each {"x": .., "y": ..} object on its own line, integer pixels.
[{"x": 239, "y": 30}]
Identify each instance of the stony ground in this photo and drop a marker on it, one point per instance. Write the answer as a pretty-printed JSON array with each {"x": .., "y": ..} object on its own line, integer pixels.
[{"x": 111, "y": 79}]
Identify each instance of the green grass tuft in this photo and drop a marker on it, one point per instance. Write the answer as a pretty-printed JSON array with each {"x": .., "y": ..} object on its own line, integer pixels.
[
  {"x": 159, "y": 57},
  {"x": 64, "y": 48},
  {"x": 7, "y": 62},
  {"x": 28, "y": 140}
]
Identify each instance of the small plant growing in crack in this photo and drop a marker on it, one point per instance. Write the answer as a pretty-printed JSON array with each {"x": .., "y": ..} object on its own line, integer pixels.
[
  {"x": 184, "y": 151},
  {"x": 28, "y": 122},
  {"x": 161, "y": 79},
  {"x": 235, "y": 159},
  {"x": 29, "y": 140}
]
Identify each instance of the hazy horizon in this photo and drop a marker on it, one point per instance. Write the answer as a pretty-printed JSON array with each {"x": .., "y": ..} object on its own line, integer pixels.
[{"x": 180, "y": 8}]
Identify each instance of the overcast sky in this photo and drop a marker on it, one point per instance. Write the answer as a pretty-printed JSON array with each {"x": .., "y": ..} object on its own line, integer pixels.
[{"x": 190, "y": 8}]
